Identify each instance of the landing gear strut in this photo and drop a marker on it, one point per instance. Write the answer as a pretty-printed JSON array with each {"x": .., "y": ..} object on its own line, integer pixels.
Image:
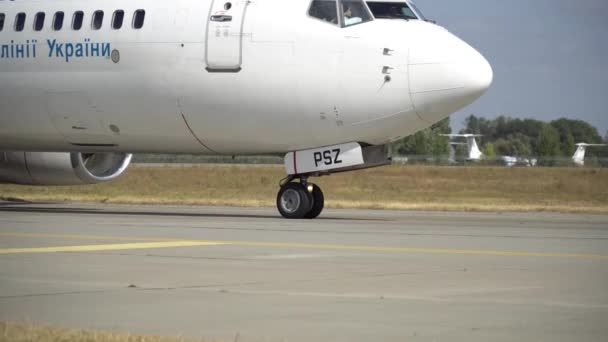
[{"x": 299, "y": 200}]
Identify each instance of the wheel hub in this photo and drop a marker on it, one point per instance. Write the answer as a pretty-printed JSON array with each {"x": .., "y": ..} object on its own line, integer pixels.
[{"x": 290, "y": 201}]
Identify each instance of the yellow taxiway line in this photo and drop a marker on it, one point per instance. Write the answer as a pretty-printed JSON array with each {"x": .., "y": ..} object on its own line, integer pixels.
[
  {"x": 414, "y": 250},
  {"x": 82, "y": 237},
  {"x": 113, "y": 247},
  {"x": 152, "y": 243}
]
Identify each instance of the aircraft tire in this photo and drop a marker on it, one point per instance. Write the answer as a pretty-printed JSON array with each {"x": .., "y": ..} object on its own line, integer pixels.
[
  {"x": 293, "y": 201},
  {"x": 318, "y": 202}
]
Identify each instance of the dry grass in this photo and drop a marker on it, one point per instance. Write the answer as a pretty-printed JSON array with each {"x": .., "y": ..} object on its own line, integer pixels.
[
  {"x": 395, "y": 187},
  {"x": 28, "y": 332}
]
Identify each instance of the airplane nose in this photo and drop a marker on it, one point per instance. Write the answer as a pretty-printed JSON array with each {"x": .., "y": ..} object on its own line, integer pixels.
[{"x": 446, "y": 77}]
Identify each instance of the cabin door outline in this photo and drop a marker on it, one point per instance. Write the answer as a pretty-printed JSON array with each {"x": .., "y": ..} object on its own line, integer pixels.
[{"x": 224, "y": 36}]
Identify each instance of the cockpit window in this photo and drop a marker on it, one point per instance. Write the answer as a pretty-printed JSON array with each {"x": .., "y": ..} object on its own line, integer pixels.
[
  {"x": 353, "y": 12},
  {"x": 340, "y": 12},
  {"x": 325, "y": 10},
  {"x": 391, "y": 10},
  {"x": 417, "y": 10}
]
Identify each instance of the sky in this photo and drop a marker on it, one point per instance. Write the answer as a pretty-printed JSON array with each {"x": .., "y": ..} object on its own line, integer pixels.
[{"x": 550, "y": 57}]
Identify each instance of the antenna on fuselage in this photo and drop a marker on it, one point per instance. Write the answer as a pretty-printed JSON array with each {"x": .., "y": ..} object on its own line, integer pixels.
[
  {"x": 474, "y": 154},
  {"x": 579, "y": 156}
]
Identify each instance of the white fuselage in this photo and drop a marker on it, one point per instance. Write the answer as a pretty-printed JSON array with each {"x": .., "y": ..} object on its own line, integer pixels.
[{"x": 300, "y": 83}]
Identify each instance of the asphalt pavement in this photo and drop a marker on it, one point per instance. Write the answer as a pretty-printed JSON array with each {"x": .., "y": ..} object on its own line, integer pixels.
[{"x": 352, "y": 275}]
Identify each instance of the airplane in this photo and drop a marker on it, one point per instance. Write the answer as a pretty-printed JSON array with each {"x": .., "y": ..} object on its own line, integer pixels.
[
  {"x": 579, "y": 156},
  {"x": 511, "y": 161},
  {"x": 85, "y": 84},
  {"x": 473, "y": 152}
]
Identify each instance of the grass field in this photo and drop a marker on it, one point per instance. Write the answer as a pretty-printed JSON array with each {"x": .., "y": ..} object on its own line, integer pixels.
[
  {"x": 28, "y": 332},
  {"x": 394, "y": 187}
]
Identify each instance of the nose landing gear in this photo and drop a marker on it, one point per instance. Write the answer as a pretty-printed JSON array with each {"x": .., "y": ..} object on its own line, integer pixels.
[{"x": 301, "y": 200}]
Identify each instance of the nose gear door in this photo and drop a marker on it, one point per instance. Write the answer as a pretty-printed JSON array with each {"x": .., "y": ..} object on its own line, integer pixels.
[{"x": 224, "y": 35}]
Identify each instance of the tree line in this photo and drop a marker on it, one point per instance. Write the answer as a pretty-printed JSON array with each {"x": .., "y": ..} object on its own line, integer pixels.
[{"x": 505, "y": 136}]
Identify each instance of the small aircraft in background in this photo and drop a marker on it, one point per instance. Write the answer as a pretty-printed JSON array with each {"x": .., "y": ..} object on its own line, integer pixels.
[
  {"x": 511, "y": 161},
  {"x": 473, "y": 152},
  {"x": 579, "y": 156}
]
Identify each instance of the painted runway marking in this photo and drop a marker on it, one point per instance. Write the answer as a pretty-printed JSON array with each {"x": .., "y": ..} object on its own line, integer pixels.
[
  {"x": 167, "y": 243},
  {"x": 113, "y": 247}
]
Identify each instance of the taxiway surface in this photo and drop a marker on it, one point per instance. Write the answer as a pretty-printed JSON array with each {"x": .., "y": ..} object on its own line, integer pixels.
[{"x": 352, "y": 275}]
